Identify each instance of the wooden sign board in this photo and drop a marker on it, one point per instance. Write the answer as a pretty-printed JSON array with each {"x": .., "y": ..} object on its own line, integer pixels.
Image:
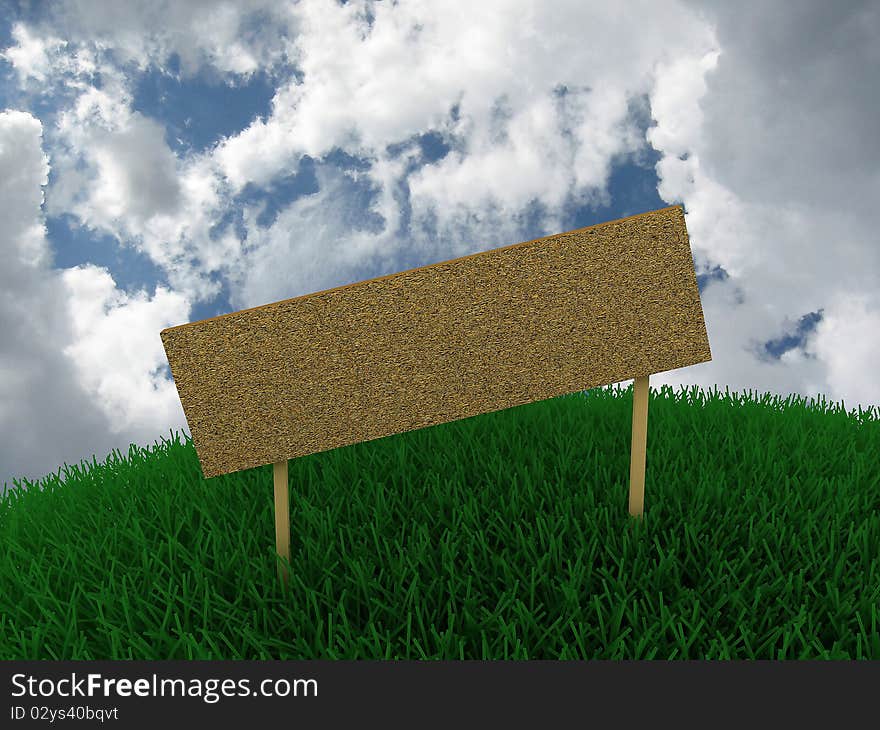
[{"x": 455, "y": 339}]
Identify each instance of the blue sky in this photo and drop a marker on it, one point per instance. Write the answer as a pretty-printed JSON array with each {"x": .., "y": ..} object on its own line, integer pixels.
[{"x": 166, "y": 166}]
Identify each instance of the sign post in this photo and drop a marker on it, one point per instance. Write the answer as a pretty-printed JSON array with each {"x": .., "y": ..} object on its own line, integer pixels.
[
  {"x": 477, "y": 334},
  {"x": 638, "y": 448},
  {"x": 282, "y": 518}
]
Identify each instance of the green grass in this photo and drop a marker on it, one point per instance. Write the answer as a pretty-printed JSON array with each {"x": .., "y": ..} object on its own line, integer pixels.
[{"x": 504, "y": 536}]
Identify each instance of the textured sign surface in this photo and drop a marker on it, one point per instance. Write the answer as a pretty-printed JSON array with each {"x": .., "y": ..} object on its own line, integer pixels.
[{"x": 476, "y": 334}]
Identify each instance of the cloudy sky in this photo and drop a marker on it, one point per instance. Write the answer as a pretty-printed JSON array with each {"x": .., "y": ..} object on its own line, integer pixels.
[{"x": 163, "y": 162}]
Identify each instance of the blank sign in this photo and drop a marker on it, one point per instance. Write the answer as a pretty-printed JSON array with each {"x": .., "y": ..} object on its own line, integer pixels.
[{"x": 455, "y": 339}]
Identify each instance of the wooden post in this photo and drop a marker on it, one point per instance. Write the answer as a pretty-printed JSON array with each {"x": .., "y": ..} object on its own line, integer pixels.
[
  {"x": 639, "y": 443},
  {"x": 282, "y": 518}
]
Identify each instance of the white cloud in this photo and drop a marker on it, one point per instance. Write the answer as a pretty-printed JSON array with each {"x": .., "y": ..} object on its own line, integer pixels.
[
  {"x": 779, "y": 180},
  {"x": 218, "y": 35},
  {"x": 117, "y": 349},
  {"x": 311, "y": 242},
  {"x": 366, "y": 88},
  {"x": 31, "y": 56},
  {"x": 115, "y": 169},
  {"x": 51, "y": 413},
  {"x": 264, "y": 149},
  {"x": 116, "y": 174},
  {"x": 534, "y": 163},
  {"x": 847, "y": 342},
  {"x": 25, "y": 173},
  {"x": 136, "y": 173},
  {"x": 515, "y": 143}
]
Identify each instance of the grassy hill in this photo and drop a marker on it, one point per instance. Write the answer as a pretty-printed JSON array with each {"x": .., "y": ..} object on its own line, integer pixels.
[{"x": 502, "y": 536}]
